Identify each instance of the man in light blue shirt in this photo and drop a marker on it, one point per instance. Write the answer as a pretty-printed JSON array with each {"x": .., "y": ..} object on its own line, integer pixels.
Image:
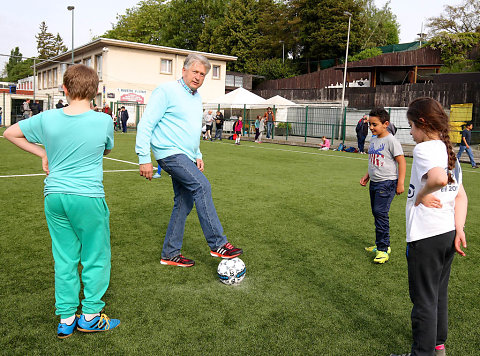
[{"x": 171, "y": 127}]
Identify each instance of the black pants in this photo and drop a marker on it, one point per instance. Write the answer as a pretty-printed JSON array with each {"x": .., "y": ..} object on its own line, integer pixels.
[{"x": 429, "y": 262}]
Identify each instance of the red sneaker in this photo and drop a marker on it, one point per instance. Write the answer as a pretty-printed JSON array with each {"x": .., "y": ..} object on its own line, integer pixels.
[
  {"x": 178, "y": 260},
  {"x": 227, "y": 251}
]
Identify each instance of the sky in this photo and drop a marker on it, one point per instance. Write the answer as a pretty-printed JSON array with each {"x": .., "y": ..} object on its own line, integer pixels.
[{"x": 20, "y": 20}]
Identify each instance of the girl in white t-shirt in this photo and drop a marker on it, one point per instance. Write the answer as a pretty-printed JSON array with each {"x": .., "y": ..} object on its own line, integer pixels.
[{"x": 435, "y": 214}]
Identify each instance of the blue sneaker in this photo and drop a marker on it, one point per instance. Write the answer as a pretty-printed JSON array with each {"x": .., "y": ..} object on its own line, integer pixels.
[
  {"x": 99, "y": 323},
  {"x": 64, "y": 330}
]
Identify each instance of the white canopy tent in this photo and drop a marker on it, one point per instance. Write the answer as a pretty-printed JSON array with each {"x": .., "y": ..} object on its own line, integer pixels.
[
  {"x": 239, "y": 102},
  {"x": 281, "y": 107},
  {"x": 239, "y": 98}
]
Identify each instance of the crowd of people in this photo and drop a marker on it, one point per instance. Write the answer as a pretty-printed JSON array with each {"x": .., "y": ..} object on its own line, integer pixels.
[{"x": 170, "y": 128}]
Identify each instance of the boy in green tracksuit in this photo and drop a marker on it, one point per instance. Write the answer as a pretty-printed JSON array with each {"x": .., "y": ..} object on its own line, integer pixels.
[{"x": 75, "y": 139}]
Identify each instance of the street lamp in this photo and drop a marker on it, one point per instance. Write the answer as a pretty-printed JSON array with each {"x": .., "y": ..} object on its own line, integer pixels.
[
  {"x": 346, "y": 13},
  {"x": 283, "y": 50},
  {"x": 72, "y": 9}
]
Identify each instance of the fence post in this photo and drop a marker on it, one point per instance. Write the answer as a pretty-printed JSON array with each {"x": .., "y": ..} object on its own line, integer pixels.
[
  {"x": 137, "y": 114},
  {"x": 245, "y": 121},
  {"x": 286, "y": 134},
  {"x": 344, "y": 128},
  {"x": 306, "y": 120},
  {"x": 333, "y": 132}
]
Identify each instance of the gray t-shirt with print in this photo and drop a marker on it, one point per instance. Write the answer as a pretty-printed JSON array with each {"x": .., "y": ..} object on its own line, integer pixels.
[{"x": 381, "y": 158}]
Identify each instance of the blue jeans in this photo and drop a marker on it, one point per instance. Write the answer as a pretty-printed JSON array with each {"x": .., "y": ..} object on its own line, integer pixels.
[
  {"x": 218, "y": 133},
  {"x": 469, "y": 153},
  {"x": 361, "y": 143},
  {"x": 190, "y": 186},
  {"x": 381, "y": 196},
  {"x": 269, "y": 128}
]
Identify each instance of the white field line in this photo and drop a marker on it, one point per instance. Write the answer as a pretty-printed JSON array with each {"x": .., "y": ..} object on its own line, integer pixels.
[
  {"x": 320, "y": 153},
  {"x": 43, "y": 174},
  {"x": 105, "y": 171}
]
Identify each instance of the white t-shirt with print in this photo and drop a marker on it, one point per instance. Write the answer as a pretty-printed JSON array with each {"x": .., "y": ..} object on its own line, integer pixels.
[{"x": 423, "y": 222}]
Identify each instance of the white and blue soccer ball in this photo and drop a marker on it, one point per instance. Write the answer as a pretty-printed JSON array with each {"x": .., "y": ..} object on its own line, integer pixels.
[{"x": 231, "y": 271}]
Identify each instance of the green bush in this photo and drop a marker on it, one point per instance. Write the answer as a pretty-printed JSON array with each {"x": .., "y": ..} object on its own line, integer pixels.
[{"x": 284, "y": 125}]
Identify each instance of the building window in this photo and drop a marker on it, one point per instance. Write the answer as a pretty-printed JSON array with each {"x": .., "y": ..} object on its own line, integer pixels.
[
  {"x": 39, "y": 80},
  {"x": 55, "y": 77},
  {"x": 166, "y": 66},
  {"x": 234, "y": 81},
  {"x": 216, "y": 72},
  {"x": 229, "y": 80},
  {"x": 238, "y": 82},
  {"x": 63, "y": 68},
  {"x": 88, "y": 61},
  {"x": 44, "y": 80},
  {"x": 49, "y": 78},
  {"x": 99, "y": 65}
]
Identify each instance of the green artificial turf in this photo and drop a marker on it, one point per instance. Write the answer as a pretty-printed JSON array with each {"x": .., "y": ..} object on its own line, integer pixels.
[{"x": 303, "y": 221}]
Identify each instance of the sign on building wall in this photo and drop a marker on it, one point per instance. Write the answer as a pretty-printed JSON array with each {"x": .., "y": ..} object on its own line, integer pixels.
[{"x": 132, "y": 95}]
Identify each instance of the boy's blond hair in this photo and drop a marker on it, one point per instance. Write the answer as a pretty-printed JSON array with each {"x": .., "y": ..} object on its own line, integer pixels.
[{"x": 81, "y": 82}]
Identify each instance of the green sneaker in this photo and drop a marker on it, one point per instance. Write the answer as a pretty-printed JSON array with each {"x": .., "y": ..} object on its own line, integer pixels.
[
  {"x": 374, "y": 249},
  {"x": 381, "y": 257}
]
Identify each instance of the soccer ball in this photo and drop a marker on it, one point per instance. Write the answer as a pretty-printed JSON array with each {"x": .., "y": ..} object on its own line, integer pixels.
[{"x": 231, "y": 271}]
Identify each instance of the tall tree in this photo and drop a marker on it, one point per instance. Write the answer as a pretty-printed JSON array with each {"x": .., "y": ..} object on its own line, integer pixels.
[
  {"x": 59, "y": 46},
  {"x": 45, "y": 42},
  {"x": 187, "y": 20},
  {"x": 379, "y": 27},
  {"x": 322, "y": 27},
  {"x": 142, "y": 23},
  {"x": 17, "y": 68},
  {"x": 457, "y": 19},
  {"x": 237, "y": 35}
]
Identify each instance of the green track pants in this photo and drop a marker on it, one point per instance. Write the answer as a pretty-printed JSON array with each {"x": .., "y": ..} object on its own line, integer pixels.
[{"x": 80, "y": 232}]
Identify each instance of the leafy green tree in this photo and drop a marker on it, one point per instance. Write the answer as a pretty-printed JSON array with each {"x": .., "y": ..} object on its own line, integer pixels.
[
  {"x": 237, "y": 35},
  {"x": 275, "y": 68},
  {"x": 272, "y": 27},
  {"x": 142, "y": 23},
  {"x": 45, "y": 42},
  {"x": 456, "y": 19},
  {"x": 366, "y": 53},
  {"x": 322, "y": 27},
  {"x": 187, "y": 20},
  {"x": 17, "y": 68},
  {"x": 379, "y": 27},
  {"x": 59, "y": 46},
  {"x": 456, "y": 51},
  {"x": 174, "y": 23}
]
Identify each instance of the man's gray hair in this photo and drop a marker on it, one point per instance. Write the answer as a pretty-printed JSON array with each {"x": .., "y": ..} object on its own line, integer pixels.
[{"x": 194, "y": 57}]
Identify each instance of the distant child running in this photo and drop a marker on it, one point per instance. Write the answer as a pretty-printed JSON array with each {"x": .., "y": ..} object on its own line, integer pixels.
[
  {"x": 386, "y": 179},
  {"x": 238, "y": 130},
  {"x": 75, "y": 139},
  {"x": 435, "y": 214},
  {"x": 465, "y": 144}
]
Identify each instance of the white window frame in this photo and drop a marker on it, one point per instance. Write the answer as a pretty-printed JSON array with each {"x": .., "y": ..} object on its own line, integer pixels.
[
  {"x": 99, "y": 65},
  {"x": 216, "y": 69},
  {"x": 55, "y": 77},
  {"x": 169, "y": 65}
]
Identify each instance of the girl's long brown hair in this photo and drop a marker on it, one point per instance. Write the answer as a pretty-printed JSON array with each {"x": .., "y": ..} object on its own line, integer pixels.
[{"x": 429, "y": 116}]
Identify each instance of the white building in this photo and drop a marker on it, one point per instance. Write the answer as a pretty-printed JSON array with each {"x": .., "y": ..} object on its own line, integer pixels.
[{"x": 128, "y": 73}]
